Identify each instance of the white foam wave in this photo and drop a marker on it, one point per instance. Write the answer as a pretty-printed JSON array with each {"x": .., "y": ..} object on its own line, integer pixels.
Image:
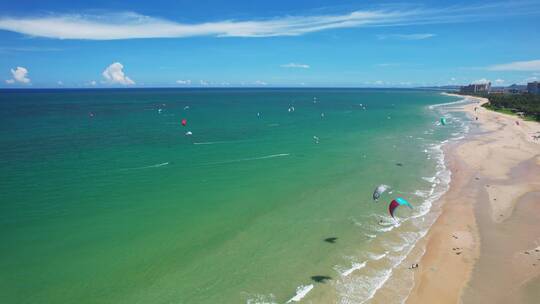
[
  {"x": 261, "y": 299},
  {"x": 430, "y": 179},
  {"x": 354, "y": 267},
  {"x": 377, "y": 257},
  {"x": 389, "y": 227},
  {"x": 452, "y": 103},
  {"x": 370, "y": 285},
  {"x": 301, "y": 292},
  {"x": 421, "y": 193}
]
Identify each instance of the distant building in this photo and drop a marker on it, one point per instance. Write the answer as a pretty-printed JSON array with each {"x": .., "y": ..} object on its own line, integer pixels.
[
  {"x": 476, "y": 88},
  {"x": 533, "y": 87}
]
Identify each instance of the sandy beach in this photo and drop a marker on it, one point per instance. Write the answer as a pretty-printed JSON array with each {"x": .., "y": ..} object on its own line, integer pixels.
[{"x": 485, "y": 245}]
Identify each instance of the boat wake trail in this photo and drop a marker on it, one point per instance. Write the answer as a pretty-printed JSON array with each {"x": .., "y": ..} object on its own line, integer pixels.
[
  {"x": 248, "y": 159},
  {"x": 146, "y": 167},
  {"x": 219, "y": 142}
]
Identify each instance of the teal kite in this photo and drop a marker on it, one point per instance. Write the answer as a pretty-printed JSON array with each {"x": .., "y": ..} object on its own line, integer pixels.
[
  {"x": 443, "y": 121},
  {"x": 396, "y": 203}
]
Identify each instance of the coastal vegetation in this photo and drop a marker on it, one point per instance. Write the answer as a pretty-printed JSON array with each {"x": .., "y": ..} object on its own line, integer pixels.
[{"x": 526, "y": 105}]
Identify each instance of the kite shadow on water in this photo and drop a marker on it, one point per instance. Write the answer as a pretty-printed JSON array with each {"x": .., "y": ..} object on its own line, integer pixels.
[
  {"x": 320, "y": 278},
  {"x": 331, "y": 240}
]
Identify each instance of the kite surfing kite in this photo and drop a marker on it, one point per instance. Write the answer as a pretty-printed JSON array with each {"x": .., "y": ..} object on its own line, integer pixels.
[
  {"x": 443, "y": 121},
  {"x": 396, "y": 203},
  {"x": 379, "y": 190}
]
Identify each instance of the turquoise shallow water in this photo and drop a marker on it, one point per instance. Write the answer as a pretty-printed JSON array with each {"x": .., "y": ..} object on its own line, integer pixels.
[{"x": 103, "y": 199}]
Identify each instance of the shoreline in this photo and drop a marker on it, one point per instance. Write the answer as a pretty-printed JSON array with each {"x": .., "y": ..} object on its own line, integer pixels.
[{"x": 453, "y": 264}]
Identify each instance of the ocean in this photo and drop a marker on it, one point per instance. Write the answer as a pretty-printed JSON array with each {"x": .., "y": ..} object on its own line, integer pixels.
[{"x": 264, "y": 196}]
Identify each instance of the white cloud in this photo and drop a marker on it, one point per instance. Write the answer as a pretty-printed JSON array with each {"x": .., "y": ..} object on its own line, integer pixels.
[
  {"x": 453, "y": 79},
  {"x": 531, "y": 65},
  {"x": 114, "y": 74},
  {"x": 499, "y": 81},
  {"x": 295, "y": 65},
  {"x": 183, "y": 82},
  {"x": 481, "y": 81},
  {"x": 130, "y": 25},
  {"x": 259, "y": 82},
  {"x": 406, "y": 36},
  {"x": 92, "y": 83},
  {"x": 378, "y": 82},
  {"x": 203, "y": 82},
  {"x": 60, "y": 83},
  {"x": 20, "y": 75},
  {"x": 530, "y": 79}
]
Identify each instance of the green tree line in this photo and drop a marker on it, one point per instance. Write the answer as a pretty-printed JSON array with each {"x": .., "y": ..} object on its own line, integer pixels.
[{"x": 528, "y": 104}]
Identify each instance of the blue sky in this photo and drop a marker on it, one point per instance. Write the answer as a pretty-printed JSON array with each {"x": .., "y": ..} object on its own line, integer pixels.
[{"x": 267, "y": 43}]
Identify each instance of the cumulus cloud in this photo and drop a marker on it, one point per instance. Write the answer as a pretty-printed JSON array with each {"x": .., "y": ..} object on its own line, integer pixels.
[
  {"x": 406, "y": 36},
  {"x": 184, "y": 82},
  {"x": 481, "y": 81},
  {"x": 531, "y": 65},
  {"x": 295, "y": 65},
  {"x": 203, "y": 82},
  {"x": 499, "y": 81},
  {"x": 131, "y": 25},
  {"x": 20, "y": 75},
  {"x": 259, "y": 82},
  {"x": 114, "y": 74}
]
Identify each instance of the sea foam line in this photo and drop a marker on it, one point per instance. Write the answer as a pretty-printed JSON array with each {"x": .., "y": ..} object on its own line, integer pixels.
[{"x": 441, "y": 179}]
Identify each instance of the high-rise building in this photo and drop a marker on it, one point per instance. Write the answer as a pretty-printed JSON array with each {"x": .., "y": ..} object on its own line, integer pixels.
[{"x": 476, "y": 88}]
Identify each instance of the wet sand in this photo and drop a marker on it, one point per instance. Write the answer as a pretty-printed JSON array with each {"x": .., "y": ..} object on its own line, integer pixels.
[{"x": 485, "y": 245}]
